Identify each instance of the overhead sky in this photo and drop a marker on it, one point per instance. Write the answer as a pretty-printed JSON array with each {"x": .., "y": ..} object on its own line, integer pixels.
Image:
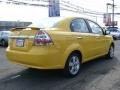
[{"x": 30, "y": 13}]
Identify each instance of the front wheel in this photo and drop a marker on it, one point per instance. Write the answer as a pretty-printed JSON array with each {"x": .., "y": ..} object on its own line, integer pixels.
[
  {"x": 72, "y": 66},
  {"x": 110, "y": 54}
]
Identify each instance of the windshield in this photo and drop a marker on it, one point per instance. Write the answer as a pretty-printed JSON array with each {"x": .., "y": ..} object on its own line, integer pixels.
[{"x": 46, "y": 23}]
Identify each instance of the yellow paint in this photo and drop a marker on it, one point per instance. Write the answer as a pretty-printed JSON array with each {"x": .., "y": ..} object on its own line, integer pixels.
[{"x": 54, "y": 56}]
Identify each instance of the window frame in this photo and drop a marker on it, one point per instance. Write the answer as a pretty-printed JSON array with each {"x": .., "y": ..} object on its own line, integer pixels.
[{"x": 103, "y": 33}]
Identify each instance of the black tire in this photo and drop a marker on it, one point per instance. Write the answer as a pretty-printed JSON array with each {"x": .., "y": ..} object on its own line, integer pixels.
[
  {"x": 72, "y": 66},
  {"x": 110, "y": 54}
]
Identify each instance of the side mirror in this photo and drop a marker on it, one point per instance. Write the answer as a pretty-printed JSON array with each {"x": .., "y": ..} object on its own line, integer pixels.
[{"x": 107, "y": 32}]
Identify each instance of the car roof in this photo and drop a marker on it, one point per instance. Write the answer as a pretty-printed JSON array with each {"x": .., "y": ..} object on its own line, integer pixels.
[
  {"x": 56, "y": 22},
  {"x": 52, "y": 22}
]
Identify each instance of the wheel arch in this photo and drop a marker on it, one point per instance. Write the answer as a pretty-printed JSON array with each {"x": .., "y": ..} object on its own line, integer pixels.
[
  {"x": 78, "y": 52},
  {"x": 70, "y": 51}
]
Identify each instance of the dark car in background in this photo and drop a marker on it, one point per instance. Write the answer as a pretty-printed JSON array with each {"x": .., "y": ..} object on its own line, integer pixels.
[
  {"x": 4, "y": 36},
  {"x": 114, "y": 31}
]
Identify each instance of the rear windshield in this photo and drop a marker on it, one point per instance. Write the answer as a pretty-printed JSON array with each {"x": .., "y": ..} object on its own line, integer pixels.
[{"x": 46, "y": 23}]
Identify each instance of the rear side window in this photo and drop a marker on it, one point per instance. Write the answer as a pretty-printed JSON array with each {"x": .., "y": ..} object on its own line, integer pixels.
[{"x": 79, "y": 25}]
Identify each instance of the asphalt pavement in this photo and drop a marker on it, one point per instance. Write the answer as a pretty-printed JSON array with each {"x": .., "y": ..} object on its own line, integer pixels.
[{"x": 99, "y": 74}]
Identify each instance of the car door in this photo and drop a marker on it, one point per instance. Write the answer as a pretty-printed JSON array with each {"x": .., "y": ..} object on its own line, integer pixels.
[
  {"x": 101, "y": 42},
  {"x": 84, "y": 37}
]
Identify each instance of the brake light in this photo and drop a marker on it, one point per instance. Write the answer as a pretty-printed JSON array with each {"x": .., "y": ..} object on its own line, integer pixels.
[{"x": 42, "y": 38}]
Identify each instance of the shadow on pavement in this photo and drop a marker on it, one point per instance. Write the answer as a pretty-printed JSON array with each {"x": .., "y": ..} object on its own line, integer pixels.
[{"x": 54, "y": 79}]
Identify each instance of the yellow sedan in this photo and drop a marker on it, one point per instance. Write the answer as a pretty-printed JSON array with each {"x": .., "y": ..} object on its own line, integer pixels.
[{"x": 59, "y": 43}]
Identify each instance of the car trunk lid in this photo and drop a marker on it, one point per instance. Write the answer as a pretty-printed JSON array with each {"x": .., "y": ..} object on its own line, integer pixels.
[{"x": 22, "y": 38}]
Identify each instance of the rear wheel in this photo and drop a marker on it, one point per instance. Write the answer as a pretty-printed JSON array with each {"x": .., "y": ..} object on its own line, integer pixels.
[
  {"x": 72, "y": 66},
  {"x": 110, "y": 54}
]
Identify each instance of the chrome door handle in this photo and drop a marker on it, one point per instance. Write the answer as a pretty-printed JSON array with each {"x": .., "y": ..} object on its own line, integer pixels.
[{"x": 79, "y": 37}]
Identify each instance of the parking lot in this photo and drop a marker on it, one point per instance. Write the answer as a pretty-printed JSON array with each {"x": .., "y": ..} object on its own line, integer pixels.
[{"x": 100, "y": 74}]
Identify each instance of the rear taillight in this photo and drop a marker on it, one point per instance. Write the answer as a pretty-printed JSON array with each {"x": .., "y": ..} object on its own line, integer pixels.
[{"x": 42, "y": 38}]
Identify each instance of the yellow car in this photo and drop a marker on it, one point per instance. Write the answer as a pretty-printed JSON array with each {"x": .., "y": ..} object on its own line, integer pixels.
[{"x": 59, "y": 43}]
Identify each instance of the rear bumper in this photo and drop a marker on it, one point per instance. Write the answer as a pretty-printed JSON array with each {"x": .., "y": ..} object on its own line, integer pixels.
[{"x": 39, "y": 60}]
